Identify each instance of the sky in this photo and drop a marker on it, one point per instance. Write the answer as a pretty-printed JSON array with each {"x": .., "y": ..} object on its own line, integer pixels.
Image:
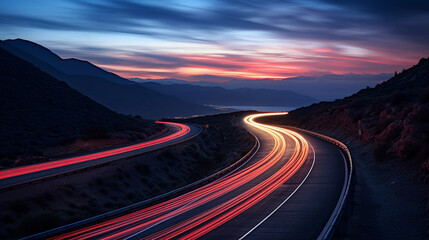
[{"x": 218, "y": 40}]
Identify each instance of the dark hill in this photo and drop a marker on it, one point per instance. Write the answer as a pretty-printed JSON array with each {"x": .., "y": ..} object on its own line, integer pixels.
[
  {"x": 104, "y": 87},
  {"x": 38, "y": 111},
  {"x": 231, "y": 97},
  {"x": 393, "y": 116},
  {"x": 387, "y": 131},
  {"x": 66, "y": 66}
]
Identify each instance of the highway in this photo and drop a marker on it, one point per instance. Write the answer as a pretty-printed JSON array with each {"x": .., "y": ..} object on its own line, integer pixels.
[
  {"x": 15, "y": 176},
  {"x": 287, "y": 190}
]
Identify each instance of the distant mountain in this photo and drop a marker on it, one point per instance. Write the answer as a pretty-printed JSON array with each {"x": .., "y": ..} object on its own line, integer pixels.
[
  {"x": 327, "y": 87},
  {"x": 232, "y": 97},
  {"x": 39, "y": 111},
  {"x": 393, "y": 117},
  {"x": 104, "y": 87},
  {"x": 165, "y": 81}
]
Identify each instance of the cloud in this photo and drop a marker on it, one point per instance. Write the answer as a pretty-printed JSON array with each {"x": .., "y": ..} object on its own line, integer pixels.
[
  {"x": 231, "y": 38},
  {"x": 148, "y": 60}
]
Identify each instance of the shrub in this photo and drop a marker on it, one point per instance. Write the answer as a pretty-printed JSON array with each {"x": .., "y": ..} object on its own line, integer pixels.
[
  {"x": 398, "y": 98},
  {"x": 167, "y": 154},
  {"x": 37, "y": 222},
  {"x": 98, "y": 181},
  {"x": 408, "y": 149},
  {"x": 96, "y": 132},
  {"x": 379, "y": 151},
  {"x": 19, "y": 206},
  {"x": 424, "y": 97},
  {"x": 143, "y": 169},
  {"x": 421, "y": 115},
  {"x": 104, "y": 191},
  {"x": 131, "y": 196}
]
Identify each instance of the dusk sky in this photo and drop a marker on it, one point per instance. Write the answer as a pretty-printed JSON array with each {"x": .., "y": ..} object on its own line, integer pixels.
[{"x": 217, "y": 40}]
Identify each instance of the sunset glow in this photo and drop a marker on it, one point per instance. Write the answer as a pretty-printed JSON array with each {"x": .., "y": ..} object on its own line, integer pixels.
[{"x": 221, "y": 40}]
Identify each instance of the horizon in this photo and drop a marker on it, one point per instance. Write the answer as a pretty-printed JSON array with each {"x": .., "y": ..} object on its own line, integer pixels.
[
  {"x": 266, "y": 79},
  {"x": 218, "y": 41}
]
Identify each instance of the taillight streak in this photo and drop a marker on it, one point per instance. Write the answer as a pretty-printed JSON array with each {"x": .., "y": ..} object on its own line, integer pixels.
[{"x": 60, "y": 163}]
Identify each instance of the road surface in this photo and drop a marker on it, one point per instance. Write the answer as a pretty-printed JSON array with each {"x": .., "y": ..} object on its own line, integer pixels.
[
  {"x": 287, "y": 190},
  {"x": 16, "y": 176}
]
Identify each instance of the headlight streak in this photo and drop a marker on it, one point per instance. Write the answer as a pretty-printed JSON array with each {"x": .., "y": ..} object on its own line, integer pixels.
[
  {"x": 68, "y": 161},
  {"x": 198, "y": 225}
]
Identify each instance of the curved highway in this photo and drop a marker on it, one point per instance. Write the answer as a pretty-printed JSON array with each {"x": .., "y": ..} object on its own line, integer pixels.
[
  {"x": 287, "y": 190},
  {"x": 16, "y": 176}
]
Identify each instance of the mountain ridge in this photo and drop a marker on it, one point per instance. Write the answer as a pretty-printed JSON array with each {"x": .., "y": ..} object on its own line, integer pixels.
[
  {"x": 327, "y": 86},
  {"x": 126, "y": 97},
  {"x": 63, "y": 65},
  {"x": 40, "y": 112},
  {"x": 232, "y": 97}
]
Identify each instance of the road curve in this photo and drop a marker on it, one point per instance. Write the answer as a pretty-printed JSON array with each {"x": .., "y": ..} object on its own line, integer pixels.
[
  {"x": 287, "y": 190},
  {"x": 16, "y": 176},
  {"x": 206, "y": 210}
]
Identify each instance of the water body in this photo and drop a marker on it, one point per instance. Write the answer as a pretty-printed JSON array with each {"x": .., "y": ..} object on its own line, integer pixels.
[{"x": 256, "y": 108}]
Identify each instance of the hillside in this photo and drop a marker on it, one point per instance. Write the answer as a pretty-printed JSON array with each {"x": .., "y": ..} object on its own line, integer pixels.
[
  {"x": 232, "y": 97},
  {"x": 387, "y": 130},
  {"x": 106, "y": 88},
  {"x": 40, "y": 112},
  {"x": 393, "y": 116}
]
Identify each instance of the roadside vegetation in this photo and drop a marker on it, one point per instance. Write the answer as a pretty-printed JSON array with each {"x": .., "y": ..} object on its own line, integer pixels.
[{"x": 84, "y": 194}]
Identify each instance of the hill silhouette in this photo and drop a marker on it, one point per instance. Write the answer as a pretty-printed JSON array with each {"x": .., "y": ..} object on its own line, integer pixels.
[
  {"x": 393, "y": 116},
  {"x": 106, "y": 88},
  {"x": 325, "y": 87},
  {"x": 38, "y": 111},
  {"x": 387, "y": 131}
]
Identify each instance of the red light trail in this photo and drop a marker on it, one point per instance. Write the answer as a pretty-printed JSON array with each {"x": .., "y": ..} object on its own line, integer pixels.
[
  {"x": 197, "y": 225},
  {"x": 68, "y": 161}
]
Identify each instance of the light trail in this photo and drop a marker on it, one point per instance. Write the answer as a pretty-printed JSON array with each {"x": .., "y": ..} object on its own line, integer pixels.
[
  {"x": 196, "y": 226},
  {"x": 228, "y": 210},
  {"x": 89, "y": 157}
]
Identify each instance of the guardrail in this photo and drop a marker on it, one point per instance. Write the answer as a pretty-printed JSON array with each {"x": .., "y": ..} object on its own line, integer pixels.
[
  {"x": 218, "y": 175},
  {"x": 329, "y": 229},
  {"x": 85, "y": 168}
]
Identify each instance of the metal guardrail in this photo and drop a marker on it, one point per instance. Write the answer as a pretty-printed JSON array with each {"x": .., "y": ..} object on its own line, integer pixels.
[
  {"x": 192, "y": 186},
  {"x": 330, "y": 227},
  {"x": 85, "y": 168}
]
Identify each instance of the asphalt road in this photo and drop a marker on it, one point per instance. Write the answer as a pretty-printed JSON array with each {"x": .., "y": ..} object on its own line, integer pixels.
[
  {"x": 288, "y": 190},
  {"x": 16, "y": 176},
  {"x": 306, "y": 212}
]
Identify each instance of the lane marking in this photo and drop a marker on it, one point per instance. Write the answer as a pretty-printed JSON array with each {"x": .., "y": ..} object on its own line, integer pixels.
[
  {"x": 281, "y": 204},
  {"x": 328, "y": 227},
  {"x": 250, "y": 158},
  {"x": 274, "y": 130},
  {"x": 177, "y": 229}
]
